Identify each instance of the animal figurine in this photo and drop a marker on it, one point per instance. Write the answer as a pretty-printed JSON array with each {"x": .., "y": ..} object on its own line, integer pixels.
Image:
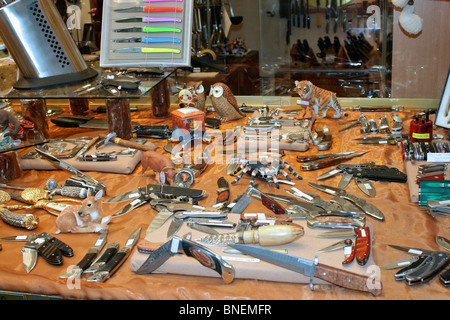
[
  {"x": 84, "y": 218},
  {"x": 161, "y": 164},
  {"x": 186, "y": 98},
  {"x": 224, "y": 102},
  {"x": 320, "y": 99},
  {"x": 199, "y": 95},
  {"x": 7, "y": 118}
]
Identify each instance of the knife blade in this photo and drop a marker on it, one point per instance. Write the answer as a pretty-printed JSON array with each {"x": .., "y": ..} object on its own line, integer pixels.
[
  {"x": 148, "y": 29},
  {"x": 367, "y": 207},
  {"x": 29, "y": 258},
  {"x": 400, "y": 263},
  {"x": 88, "y": 258},
  {"x": 148, "y": 19},
  {"x": 147, "y": 40},
  {"x": 443, "y": 242},
  {"x": 312, "y": 269},
  {"x": 178, "y": 219},
  {"x": 345, "y": 180},
  {"x": 365, "y": 186},
  {"x": 336, "y": 246},
  {"x": 204, "y": 255},
  {"x": 146, "y": 50},
  {"x": 101, "y": 260},
  {"x": 119, "y": 258},
  {"x": 143, "y": 199},
  {"x": 158, "y": 221},
  {"x": 413, "y": 251},
  {"x": 149, "y": 9}
]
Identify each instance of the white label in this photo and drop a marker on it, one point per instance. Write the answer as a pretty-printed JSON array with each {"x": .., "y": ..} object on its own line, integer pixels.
[
  {"x": 363, "y": 233},
  {"x": 368, "y": 186},
  {"x": 21, "y": 237},
  {"x": 135, "y": 201},
  {"x": 133, "y": 195},
  {"x": 240, "y": 259},
  {"x": 415, "y": 251},
  {"x": 174, "y": 245},
  {"x": 303, "y": 102},
  {"x": 347, "y": 250},
  {"x": 438, "y": 157},
  {"x": 129, "y": 242}
]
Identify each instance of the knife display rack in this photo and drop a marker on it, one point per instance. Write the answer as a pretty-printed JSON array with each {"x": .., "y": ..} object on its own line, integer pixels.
[{"x": 174, "y": 24}]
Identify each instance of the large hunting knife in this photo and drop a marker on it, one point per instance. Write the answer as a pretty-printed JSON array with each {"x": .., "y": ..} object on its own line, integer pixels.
[{"x": 313, "y": 269}]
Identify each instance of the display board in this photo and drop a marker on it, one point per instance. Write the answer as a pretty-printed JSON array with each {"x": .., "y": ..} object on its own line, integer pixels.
[{"x": 151, "y": 33}]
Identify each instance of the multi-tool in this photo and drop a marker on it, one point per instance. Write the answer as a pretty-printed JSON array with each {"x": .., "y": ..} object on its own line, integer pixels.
[
  {"x": 45, "y": 245},
  {"x": 424, "y": 265}
]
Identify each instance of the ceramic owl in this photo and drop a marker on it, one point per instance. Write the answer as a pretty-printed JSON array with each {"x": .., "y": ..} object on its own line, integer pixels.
[
  {"x": 224, "y": 102},
  {"x": 199, "y": 95}
]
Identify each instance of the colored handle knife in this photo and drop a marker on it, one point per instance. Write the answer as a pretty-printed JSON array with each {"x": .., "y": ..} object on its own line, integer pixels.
[
  {"x": 148, "y": 29},
  {"x": 148, "y": 19},
  {"x": 150, "y": 9},
  {"x": 147, "y": 50}
]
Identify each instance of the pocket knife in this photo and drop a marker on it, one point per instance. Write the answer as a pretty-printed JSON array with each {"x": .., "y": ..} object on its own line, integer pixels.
[
  {"x": 424, "y": 267},
  {"x": 365, "y": 206},
  {"x": 45, "y": 245},
  {"x": 347, "y": 244}
]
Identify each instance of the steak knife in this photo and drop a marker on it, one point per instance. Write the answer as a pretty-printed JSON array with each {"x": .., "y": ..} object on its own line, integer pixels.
[
  {"x": 150, "y": 9},
  {"x": 147, "y": 50},
  {"x": 119, "y": 258},
  {"x": 148, "y": 29},
  {"x": 148, "y": 19},
  {"x": 147, "y": 40}
]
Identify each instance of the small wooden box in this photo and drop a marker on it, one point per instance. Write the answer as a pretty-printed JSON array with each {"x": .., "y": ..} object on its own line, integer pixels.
[{"x": 190, "y": 119}]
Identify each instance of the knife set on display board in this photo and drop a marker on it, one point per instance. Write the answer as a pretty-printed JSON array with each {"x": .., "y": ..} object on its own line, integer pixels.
[{"x": 153, "y": 33}]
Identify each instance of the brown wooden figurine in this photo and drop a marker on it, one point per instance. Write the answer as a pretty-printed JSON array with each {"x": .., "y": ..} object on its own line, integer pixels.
[{"x": 161, "y": 164}]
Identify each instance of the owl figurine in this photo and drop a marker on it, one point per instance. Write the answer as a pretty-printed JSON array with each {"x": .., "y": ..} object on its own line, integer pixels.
[
  {"x": 199, "y": 96},
  {"x": 224, "y": 102}
]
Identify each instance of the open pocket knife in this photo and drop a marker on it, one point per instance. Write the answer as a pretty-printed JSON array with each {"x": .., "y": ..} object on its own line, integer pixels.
[
  {"x": 365, "y": 206},
  {"x": 45, "y": 245},
  {"x": 423, "y": 267}
]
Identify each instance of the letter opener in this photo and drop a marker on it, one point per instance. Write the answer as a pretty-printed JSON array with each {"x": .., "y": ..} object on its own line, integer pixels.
[
  {"x": 119, "y": 258},
  {"x": 149, "y": 9},
  {"x": 148, "y": 19},
  {"x": 148, "y": 29},
  {"x": 147, "y": 50},
  {"x": 312, "y": 269},
  {"x": 190, "y": 248}
]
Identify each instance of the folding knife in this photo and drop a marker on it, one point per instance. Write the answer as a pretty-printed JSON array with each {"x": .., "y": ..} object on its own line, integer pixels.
[
  {"x": 147, "y": 40},
  {"x": 179, "y": 217},
  {"x": 365, "y": 206},
  {"x": 147, "y": 50},
  {"x": 45, "y": 245},
  {"x": 349, "y": 249},
  {"x": 428, "y": 264},
  {"x": 150, "y": 9},
  {"x": 117, "y": 260},
  {"x": 148, "y": 19},
  {"x": 148, "y": 29},
  {"x": 204, "y": 255}
]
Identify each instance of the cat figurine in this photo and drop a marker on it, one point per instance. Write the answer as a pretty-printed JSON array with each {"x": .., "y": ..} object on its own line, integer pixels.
[{"x": 319, "y": 99}]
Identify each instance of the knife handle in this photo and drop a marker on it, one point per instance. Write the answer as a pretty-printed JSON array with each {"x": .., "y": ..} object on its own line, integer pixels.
[
  {"x": 347, "y": 279},
  {"x": 273, "y": 235},
  {"x": 162, "y": 9},
  {"x": 362, "y": 245},
  {"x": 208, "y": 258},
  {"x": 351, "y": 256},
  {"x": 87, "y": 260}
]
